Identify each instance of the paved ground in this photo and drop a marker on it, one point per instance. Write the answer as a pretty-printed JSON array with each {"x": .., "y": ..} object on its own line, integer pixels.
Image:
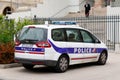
[{"x": 110, "y": 71}]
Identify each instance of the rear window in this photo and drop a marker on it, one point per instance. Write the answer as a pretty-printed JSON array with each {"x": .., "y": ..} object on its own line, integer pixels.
[{"x": 35, "y": 34}]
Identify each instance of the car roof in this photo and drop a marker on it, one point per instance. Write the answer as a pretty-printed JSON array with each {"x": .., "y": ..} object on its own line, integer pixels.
[{"x": 51, "y": 26}]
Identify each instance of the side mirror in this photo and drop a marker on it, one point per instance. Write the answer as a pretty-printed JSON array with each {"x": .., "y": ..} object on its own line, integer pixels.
[{"x": 97, "y": 41}]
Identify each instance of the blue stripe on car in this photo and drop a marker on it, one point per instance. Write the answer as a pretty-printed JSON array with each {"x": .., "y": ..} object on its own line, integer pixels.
[
  {"x": 30, "y": 49},
  {"x": 76, "y": 50}
]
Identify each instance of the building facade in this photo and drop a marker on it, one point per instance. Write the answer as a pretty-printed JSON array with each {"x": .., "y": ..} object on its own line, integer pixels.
[
  {"x": 57, "y": 8},
  {"x": 9, "y": 6}
]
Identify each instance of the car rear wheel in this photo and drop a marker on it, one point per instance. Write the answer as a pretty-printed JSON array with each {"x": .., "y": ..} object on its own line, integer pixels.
[
  {"x": 62, "y": 64},
  {"x": 28, "y": 66},
  {"x": 102, "y": 59}
]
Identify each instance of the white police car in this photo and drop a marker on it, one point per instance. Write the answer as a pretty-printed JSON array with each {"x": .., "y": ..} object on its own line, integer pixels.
[{"x": 58, "y": 46}]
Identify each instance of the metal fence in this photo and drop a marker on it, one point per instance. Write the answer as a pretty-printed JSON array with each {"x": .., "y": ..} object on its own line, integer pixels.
[{"x": 106, "y": 28}]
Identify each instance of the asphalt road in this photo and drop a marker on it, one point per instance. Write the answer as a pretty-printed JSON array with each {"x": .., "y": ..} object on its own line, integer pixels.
[{"x": 110, "y": 71}]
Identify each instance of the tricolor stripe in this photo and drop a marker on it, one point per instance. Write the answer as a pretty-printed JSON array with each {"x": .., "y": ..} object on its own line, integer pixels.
[
  {"x": 36, "y": 52},
  {"x": 19, "y": 51},
  {"x": 29, "y": 52},
  {"x": 84, "y": 58}
]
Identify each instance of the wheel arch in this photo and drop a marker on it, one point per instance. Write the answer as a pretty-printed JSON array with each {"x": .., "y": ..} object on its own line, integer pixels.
[
  {"x": 105, "y": 52},
  {"x": 65, "y": 54},
  {"x": 100, "y": 60}
]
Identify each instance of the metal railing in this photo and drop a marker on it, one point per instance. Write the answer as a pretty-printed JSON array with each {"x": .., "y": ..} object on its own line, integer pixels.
[{"x": 106, "y": 28}]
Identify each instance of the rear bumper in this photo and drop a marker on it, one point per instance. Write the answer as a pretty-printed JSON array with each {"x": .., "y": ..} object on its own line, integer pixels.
[{"x": 36, "y": 62}]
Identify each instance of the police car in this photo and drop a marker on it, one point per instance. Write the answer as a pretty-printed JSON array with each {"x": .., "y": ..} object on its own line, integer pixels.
[{"x": 58, "y": 45}]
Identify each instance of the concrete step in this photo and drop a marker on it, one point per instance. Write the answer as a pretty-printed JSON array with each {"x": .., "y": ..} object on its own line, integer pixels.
[{"x": 99, "y": 11}]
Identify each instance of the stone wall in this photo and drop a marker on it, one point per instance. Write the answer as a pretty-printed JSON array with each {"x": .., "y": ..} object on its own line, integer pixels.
[
  {"x": 23, "y": 1},
  {"x": 16, "y": 5}
]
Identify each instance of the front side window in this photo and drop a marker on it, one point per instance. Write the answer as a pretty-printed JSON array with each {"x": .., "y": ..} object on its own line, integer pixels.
[
  {"x": 87, "y": 38},
  {"x": 73, "y": 35}
]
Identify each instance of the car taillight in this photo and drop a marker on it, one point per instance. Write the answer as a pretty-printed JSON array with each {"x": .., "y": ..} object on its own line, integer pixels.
[
  {"x": 44, "y": 44},
  {"x": 17, "y": 43}
]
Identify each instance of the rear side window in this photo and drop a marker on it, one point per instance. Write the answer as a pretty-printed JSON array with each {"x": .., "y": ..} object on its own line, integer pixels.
[
  {"x": 67, "y": 34},
  {"x": 58, "y": 35}
]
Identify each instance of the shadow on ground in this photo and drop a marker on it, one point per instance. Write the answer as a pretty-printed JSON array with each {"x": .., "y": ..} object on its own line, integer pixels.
[{"x": 45, "y": 69}]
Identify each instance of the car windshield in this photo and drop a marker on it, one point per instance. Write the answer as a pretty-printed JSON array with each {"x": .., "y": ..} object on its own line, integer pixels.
[{"x": 33, "y": 34}]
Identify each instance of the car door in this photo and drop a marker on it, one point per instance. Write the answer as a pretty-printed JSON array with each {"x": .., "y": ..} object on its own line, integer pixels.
[
  {"x": 74, "y": 45},
  {"x": 58, "y": 43},
  {"x": 90, "y": 46}
]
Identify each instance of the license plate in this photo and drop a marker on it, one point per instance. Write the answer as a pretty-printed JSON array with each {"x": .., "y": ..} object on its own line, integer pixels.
[{"x": 27, "y": 45}]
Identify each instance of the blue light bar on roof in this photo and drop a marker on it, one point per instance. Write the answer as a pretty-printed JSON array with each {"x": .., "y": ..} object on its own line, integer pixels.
[{"x": 64, "y": 23}]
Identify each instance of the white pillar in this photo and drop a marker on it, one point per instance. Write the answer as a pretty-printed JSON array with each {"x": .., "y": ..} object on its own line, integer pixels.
[{"x": 117, "y": 48}]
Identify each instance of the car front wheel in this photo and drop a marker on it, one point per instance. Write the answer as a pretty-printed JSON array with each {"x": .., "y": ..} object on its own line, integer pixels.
[{"x": 102, "y": 59}]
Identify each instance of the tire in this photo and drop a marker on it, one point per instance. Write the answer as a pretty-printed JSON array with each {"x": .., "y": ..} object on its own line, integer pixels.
[
  {"x": 102, "y": 59},
  {"x": 62, "y": 64},
  {"x": 28, "y": 66}
]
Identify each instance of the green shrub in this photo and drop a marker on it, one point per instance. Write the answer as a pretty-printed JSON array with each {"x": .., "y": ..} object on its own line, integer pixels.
[{"x": 8, "y": 29}]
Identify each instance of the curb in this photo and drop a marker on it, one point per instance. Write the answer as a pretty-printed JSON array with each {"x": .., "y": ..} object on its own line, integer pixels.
[{"x": 12, "y": 65}]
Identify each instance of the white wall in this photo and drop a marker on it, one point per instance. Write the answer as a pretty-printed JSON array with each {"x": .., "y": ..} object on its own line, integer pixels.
[
  {"x": 113, "y": 28},
  {"x": 74, "y": 8},
  {"x": 18, "y": 15},
  {"x": 50, "y": 7},
  {"x": 113, "y": 10},
  {"x": 77, "y": 7},
  {"x": 47, "y": 9}
]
